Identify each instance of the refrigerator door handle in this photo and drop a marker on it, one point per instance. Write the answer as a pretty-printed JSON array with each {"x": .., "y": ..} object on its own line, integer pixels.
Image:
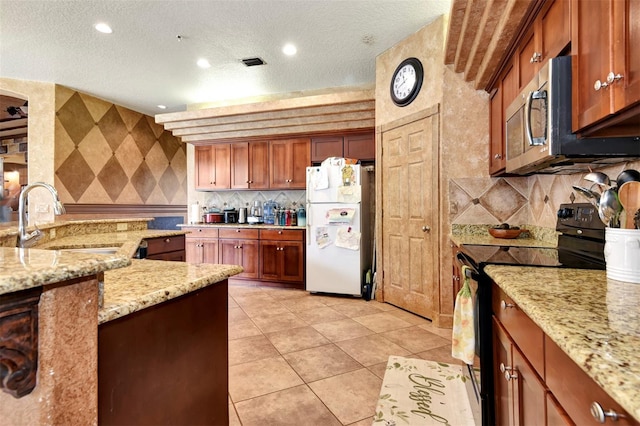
[{"x": 309, "y": 221}]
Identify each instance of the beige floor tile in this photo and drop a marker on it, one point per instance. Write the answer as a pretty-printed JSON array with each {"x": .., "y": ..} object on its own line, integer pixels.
[
  {"x": 296, "y": 339},
  {"x": 296, "y": 304},
  {"x": 321, "y": 362},
  {"x": 233, "y": 416},
  {"x": 250, "y": 349},
  {"x": 261, "y": 377},
  {"x": 294, "y": 406},
  {"x": 415, "y": 339},
  {"x": 237, "y": 314},
  {"x": 317, "y": 315},
  {"x": 253, "y": 299},
  {"x": 440, "y": 354},
  {"x": 385, "y": 307},
  {"x": 279, "y": 293},
  {"x": 364, "y": 422},
  {"x": 379, "y": 369},
  {"x": 232, "y": 303},
  {"x": 260, "y": 309},
  {"x": 442, "y": 332},
  {"x": 352, "y": 396},
  {"x": 242, "y": 328},
  {"x": 381, "y": 322},
  {"x": 336, "y": 299},
  {"x": 342, "y": 329},
  {"x": 370, "y": 350},
  {"x": 356, "y": 309},
  {"x": 283, "y": 321},
  {"x": 241, "y": 290}
]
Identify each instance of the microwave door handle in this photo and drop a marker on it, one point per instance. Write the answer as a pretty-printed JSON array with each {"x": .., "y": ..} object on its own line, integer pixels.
[{"x": 527, "y": 118}]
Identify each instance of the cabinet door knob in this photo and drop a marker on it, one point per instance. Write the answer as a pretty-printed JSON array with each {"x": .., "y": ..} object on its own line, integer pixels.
[
  {"x": 536, "y": 57},
  {"x": 504, "y": 305},
  {"x": 237, "y": 230},
  {"x": 599, "y": 85},
  {"x": 426, "y": 228},
  {"x": 168, "y": 240},
  {"x": 497, "y": 156},
  {"x": 612, "y": 78},
  {"x": 600, "y": 415},
  {"x": 509, "y": 375}
]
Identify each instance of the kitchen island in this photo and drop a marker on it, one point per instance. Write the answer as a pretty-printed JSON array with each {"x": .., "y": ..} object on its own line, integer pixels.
[
  {"x": 183, "y": 301},
  {"x": 595, "y": 321}
]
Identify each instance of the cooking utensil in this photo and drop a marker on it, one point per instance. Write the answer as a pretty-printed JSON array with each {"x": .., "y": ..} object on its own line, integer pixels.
[
  {"x": 599, "y": 178},
  {"x": 591, "y": 196},
  {"x": 628, "y": 175},
  {"x": 629, "y": 195},
  {"x": 609, "y": 209},
  {"x": 213, "y": 218}
]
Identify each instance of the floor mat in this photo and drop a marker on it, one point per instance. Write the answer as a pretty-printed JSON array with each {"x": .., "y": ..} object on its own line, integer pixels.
[{"x": 420, "y": 392}]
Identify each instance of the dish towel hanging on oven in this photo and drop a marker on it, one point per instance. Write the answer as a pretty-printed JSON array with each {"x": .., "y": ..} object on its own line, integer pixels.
[{"x": 463, "y": 336}]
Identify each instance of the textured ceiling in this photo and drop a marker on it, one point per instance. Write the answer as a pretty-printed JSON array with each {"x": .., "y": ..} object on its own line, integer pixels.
[{"x": 142, "y": 64}]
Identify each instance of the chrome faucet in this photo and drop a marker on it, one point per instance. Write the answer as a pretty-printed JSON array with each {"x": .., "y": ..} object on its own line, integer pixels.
[{"x": 28, "y": 239}]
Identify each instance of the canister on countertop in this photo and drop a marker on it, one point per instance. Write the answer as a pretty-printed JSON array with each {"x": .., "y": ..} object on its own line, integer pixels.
[{"x": 302, "y": 216}]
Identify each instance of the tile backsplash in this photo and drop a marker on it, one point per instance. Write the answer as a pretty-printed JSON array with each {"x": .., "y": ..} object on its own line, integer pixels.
[
  {"x": 222, "y": 199},
  {"x": 531, "y": 200}
]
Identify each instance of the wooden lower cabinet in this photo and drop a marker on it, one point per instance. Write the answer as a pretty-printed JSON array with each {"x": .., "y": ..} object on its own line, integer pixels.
[
  {"x": 201, "y": 245},
  {"x": 166, "y": 248},
  {"x": 535, "y": 382},
  {"x": 240, "y": 247},
  {"x": 282, "y": 255}
]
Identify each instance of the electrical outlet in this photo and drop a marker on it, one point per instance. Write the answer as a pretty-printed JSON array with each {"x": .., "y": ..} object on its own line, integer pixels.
[
  {"x": 122, "y": 226},
  {"x": 42, "y": 208}
]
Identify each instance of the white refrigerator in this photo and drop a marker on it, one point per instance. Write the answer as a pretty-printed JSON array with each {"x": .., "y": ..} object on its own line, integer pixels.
[{"x": 339, "y": 248}]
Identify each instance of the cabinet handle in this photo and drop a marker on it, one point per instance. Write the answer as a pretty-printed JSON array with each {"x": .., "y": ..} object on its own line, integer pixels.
[
  {"x": 237, "y": 230},
  {"x": 511, "y": 375},
  {"x": 599, "y": 85},
  {"x": 497, "y": 156},
  {"x": 456, "y": 278},
  {"x": 612, "y": 78},
  {"x": 504, "y": 305},
  {"x": 426, "y": 228},
  {"x": 536, "y": 57},
  {"x": 280, "y": 232},
  {"x": 600, "y": 415},
  {"x": 168, "y": 240}
]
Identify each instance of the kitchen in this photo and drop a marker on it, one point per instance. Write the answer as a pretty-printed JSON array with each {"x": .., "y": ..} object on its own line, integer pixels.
[{"x": 467, "y": 194}]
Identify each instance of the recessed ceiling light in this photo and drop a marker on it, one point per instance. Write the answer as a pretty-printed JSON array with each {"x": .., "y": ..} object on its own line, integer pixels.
[
  {"x": 289, "y": 49},
  {"x": 203, "y": 63},
  {"x": 162, "y": 106},
  {"x": 103, "y": 28}
]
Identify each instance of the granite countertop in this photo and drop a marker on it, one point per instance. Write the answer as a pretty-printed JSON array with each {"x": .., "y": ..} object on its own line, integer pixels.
[
  {"x": 22, "y": 269},
  {"x": 595, "y": 320},
  {"x": 149, "y": 282},
  {"x": 239, "y": 225}
]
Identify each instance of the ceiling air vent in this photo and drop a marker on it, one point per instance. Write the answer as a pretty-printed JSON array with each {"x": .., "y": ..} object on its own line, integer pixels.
[{"x": 252, "y": 62}]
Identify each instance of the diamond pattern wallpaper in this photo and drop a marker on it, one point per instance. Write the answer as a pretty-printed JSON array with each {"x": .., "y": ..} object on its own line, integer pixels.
[{"x": 108, "y": 154}]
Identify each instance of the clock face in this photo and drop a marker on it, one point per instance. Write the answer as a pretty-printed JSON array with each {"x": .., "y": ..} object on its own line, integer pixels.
[{"x": 406, "y": 81}]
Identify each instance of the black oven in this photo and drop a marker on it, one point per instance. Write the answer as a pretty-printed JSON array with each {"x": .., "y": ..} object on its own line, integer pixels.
[{"x": 580, "y": 245}]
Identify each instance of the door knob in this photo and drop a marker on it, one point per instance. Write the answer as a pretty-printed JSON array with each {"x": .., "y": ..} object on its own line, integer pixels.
[{"x": 426, "y": 228}]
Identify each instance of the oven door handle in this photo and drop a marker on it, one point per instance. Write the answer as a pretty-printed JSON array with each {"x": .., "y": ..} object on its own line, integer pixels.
[{"x": 465, "y": 260}]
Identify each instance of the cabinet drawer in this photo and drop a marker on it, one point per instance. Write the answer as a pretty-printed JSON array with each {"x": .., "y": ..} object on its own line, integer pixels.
[
  {"x": 201, "y": 232},
  {"x": 575, "y": 390},
  {"x": 281, "y": 234},
  {"x": 524, "y": 332},
  {"x": 245, "y": 234},
  {"x": 165, "y": 244}
]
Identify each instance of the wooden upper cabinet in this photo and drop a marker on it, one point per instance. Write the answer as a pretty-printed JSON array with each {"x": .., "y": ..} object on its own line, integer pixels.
[
  {"x": 506, "y": 92},
  {"x": 250, "y": 165},
  {"x": 289, "y": 159},
  {"x": 361, "y": 146},
  {"x": 212, "y": 165},
  {"x": 606, "y": 62},
  {"x": 549, "y": 36}
]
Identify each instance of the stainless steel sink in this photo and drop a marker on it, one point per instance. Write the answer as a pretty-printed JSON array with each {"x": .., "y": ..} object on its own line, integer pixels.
[{"x": 93, "y": 250}]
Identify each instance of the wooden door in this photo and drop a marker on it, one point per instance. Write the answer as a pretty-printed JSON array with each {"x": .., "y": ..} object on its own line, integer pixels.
[
  {"x": 410, "y": 240},
  {"x": 325, "y": 147},
  {"x": 280, "y": 161},
  {"x": 193, "y": 250},
  {"x": 240, "y": 165},
  {"x": 249, "y": 260},
  {"x": 529, "y": 392},
  {"x": 503, "y": 390},
  {"x": 292, "y": 266},
  {"x": 361, "y": 146},
  {"x": 222, "y": 166},
  {"x": 591, "y": 43},
  {"x": 209, "y": 250},
  {"x": 555, "y": 28},
  {"x": 228, "y": 252},
  {"x": 259, "y": 165},
  {"x": 497, "y": 142},
  {"x": 203, "y": 162},
  {"x": 300, "y": 160},
  {"x": 626, "y": 53},
  {"x": 269, "y": 260},
  {"x": 556, "y": 416}
]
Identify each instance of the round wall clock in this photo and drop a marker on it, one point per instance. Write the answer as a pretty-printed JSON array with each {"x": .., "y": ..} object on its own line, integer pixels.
[{"x": 406, "y": 81}]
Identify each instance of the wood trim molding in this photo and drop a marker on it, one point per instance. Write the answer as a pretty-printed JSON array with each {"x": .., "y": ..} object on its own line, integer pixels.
[
  {"x": 19, "y": 341},
  {"x": 135, "y": 210}
]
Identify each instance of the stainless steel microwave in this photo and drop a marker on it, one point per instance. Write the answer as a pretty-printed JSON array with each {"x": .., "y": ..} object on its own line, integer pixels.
[{"x": 538, "y": 129}]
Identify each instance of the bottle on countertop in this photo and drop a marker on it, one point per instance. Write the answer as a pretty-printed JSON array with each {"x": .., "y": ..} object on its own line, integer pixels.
[
  {"x": 302, "y": 216},
  {"x": 294, "y": 217},
  {"x": 287, "y": 217}
]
